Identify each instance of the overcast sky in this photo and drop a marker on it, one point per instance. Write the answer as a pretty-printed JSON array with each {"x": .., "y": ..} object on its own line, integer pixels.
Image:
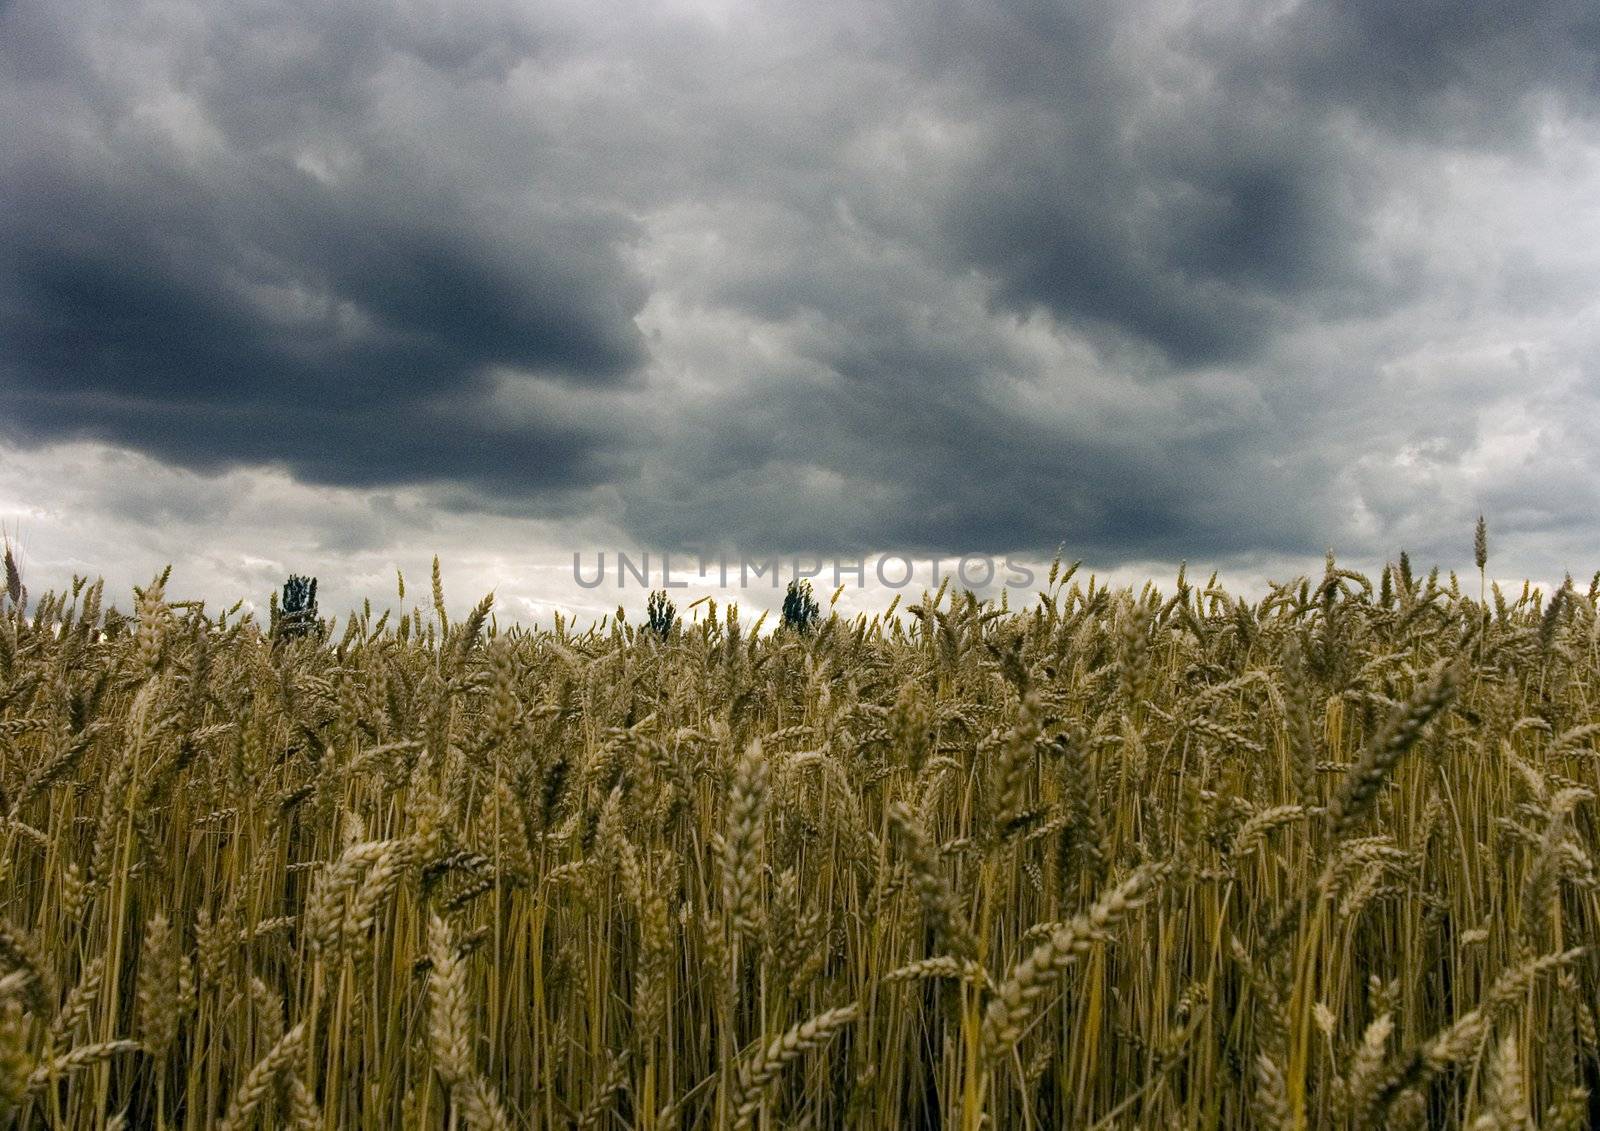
[{"x": 290, "y": 284}]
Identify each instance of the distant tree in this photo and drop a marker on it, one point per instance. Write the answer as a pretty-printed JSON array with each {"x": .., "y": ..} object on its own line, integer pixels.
[
  {"x": 295, "y": 615},
  {"x": 800, "y": 611},
  {"x": 662, "y": 612}
]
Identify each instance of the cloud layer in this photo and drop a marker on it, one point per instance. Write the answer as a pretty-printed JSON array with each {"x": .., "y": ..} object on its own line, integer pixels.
[{"x": 1220, "y": 281}]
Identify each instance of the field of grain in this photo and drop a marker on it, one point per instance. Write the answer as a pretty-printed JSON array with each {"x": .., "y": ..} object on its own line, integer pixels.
[{"x": 1164, "y": 858}]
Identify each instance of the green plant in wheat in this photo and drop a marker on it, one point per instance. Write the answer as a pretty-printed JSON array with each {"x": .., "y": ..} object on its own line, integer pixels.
[
  {"x": 661, "y": 615},
  {"x": 800, "y": 611},
  {"x": 295, "y": 615},
  {"x": 1320, "y": 857}
]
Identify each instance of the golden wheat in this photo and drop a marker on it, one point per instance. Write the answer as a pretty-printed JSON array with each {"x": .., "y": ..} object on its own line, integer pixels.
[{"x": 1118, "y": 858}]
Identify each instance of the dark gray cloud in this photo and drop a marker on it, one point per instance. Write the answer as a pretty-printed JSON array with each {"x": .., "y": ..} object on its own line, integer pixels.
[
  {"x": 1447, "y": 69},
  {"x": 1198, "y": 180},
  {"x": 183, "y": 273},
  {"x": 1159, "y": 280},
  {"x": 894, "y": 431}
]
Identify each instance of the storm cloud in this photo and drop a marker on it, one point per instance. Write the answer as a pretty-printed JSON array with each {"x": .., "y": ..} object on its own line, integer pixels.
[{"x": 1153, "y": 279}]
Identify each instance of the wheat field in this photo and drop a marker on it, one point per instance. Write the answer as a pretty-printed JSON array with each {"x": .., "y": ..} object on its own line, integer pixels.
[{"x": 1165, "y": 858}]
